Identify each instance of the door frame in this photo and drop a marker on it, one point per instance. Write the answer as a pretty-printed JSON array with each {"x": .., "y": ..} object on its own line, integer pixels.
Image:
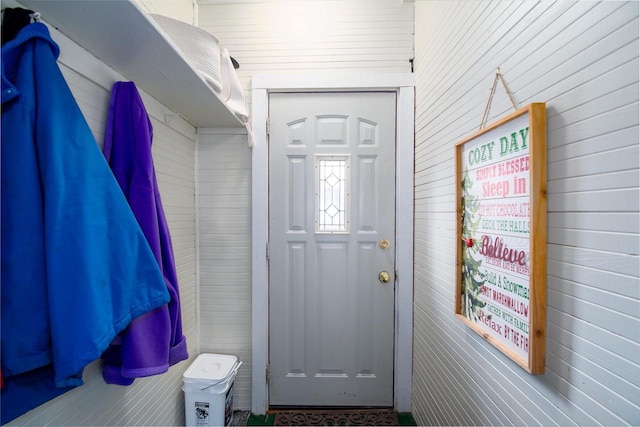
[{"x": 262, "y": 85}]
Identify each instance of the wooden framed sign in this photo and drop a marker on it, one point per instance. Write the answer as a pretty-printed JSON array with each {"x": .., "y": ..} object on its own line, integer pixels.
[{"x": 502, "y": 235}]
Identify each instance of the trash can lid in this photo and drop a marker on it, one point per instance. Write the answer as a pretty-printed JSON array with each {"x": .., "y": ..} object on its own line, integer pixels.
[{"x": 210, "y": 367}]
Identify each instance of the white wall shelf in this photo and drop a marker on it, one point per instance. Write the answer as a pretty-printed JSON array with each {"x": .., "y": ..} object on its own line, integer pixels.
[{"x": 126, "y": 38}]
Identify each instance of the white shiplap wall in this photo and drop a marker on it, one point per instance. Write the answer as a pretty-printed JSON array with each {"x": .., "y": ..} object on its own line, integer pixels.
[
  {"x": 298, "y": 36},
  {"x": 353, "y": 36},
  {"x": 155, "y": 400},
  {"x": 581, "y": 58},
  {"x": 224, "y": 212},
  {"x": 182, "y": 10}
]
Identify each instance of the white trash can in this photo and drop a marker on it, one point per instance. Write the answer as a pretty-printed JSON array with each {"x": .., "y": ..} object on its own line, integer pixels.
[{"x": 208, "y": 390}]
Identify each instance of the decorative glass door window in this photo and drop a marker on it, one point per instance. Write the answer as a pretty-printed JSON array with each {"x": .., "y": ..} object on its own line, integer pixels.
[{"x": 332, "y": 195}]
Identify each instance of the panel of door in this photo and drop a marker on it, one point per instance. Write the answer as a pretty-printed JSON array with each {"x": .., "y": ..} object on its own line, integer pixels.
[{"x": 331, "y": 246}]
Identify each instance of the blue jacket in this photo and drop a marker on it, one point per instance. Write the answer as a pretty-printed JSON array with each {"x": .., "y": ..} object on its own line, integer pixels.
[{"x": 76, "y": 267}]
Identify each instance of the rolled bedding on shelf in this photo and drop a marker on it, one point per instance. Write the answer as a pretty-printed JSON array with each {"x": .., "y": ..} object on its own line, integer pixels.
[{"x": 199, "y": 47}]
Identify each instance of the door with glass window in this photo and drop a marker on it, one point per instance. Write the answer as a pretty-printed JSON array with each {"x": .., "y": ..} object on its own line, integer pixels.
[{"x": 331, "y": 248}]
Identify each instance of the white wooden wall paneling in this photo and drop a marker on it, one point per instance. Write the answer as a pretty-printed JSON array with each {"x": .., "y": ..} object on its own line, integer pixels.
[
  {"x": 359, "y": 36},
  {"x": 608, "y": 300},
  {"x": 452, "y": 86},
  {"x": 480, "y": 382},
  {"x": 622, "y": 264},
  {"x": 622, "y": 367},
  {"x": 583, "y": 60},
  {"x": 182, "y": 10},
  {"x": 490, "y": 380},
  {"x": 477, "y": 89},
  {"x": 627, "y": 115},
  {"x": 224, "y": 214},
  {"x": 265, "y": 38}
]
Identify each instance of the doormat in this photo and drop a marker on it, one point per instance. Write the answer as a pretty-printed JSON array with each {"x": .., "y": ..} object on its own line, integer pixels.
[
  {"x": 240, "y": 418},
  {"x": 357, "y": 417}
]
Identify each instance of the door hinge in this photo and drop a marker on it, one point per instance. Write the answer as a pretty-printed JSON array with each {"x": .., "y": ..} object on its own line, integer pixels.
[
  {"x": 268, "y": 374},
  {"x": 268, "y": 253},
  {"x": 268, "y": 126}
]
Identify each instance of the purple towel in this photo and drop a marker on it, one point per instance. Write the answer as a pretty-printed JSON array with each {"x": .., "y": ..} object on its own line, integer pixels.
[{"x": 154, "y": 341}]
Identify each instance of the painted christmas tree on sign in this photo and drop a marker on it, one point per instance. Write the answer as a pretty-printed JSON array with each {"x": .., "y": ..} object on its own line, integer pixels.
[{"x": 472, "y": 277}]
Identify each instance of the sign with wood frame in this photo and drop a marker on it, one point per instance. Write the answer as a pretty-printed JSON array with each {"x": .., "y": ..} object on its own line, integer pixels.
[{"x": 501, "y": 189}]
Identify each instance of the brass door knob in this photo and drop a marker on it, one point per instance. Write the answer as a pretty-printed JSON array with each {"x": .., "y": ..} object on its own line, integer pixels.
[{"x": 384, "y": 277}]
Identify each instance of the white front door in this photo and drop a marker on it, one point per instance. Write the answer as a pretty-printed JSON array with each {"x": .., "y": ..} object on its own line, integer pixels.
[{"x": 331, "y": 241}]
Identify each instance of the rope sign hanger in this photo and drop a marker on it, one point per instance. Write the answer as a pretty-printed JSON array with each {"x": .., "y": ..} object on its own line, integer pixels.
[{"x": 485, "y": 116}]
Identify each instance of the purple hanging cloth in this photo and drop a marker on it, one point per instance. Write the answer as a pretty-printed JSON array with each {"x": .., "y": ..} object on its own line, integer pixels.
[{"x": 154, "y": 341}]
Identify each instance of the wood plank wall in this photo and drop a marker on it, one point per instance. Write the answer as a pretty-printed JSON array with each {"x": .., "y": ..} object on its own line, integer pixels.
[
  {"x": 155, "y": 400},
  {"x": 581, "y": 58},
  {"x": 224, "y": 242},
  {"x": 273, "y": 37},
  {"x": 182, "y": 10},
  {"x": 332, "y": 36}
]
